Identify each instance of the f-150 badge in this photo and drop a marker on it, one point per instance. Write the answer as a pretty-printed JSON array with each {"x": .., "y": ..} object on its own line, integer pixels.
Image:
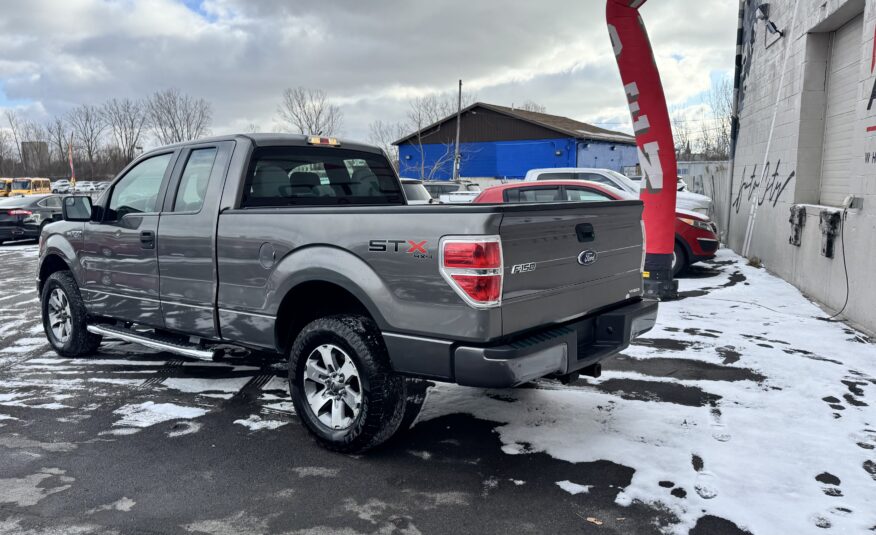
[{"x": 523, "y": 268}]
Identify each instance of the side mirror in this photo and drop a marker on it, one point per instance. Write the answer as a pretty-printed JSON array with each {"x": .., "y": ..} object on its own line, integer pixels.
[{"x": 76, "y": 208}]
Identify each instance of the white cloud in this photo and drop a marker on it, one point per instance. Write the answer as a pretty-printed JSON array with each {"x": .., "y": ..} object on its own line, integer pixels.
[{"x": 371, "y": 56}]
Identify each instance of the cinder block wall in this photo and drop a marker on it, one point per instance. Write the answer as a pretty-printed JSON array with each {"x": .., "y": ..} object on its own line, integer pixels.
[{"x": 792, "y": 172}]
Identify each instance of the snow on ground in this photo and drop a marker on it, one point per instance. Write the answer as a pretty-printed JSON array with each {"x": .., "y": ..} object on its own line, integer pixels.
[
  {"x": 256, "y": 423},
  {"x": 151, "y": 413},
  {"x": 752, "y": 451}
]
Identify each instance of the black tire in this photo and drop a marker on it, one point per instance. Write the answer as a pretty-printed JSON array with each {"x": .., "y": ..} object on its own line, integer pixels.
[
  {"x": 679, "y": 260},
  {"x": 383, "y": 393},
  {"x": 80, "y": 342}
]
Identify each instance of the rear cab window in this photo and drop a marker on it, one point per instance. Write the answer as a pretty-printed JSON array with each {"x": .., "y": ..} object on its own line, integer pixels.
[
  {"x": 533, "y": 194},
  {"x": 318, "y": 176}
]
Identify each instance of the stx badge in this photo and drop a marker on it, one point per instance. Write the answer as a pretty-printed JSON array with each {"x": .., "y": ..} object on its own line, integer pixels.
[{"x": 415, "y": 248}]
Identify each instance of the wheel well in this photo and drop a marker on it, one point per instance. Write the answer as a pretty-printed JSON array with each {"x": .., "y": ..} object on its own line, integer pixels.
[
  {"x": 309, "y": 301},
  {"x": 52, "y": 264},
  {"x": 685, "y": 248}
]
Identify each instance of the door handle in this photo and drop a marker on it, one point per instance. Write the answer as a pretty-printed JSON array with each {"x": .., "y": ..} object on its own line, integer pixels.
[
  {"x": 585, "y": 232},
  {"x": 147, "y": 239}
]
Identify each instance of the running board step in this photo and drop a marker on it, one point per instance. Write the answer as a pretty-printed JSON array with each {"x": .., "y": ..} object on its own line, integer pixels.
[{"x": 154, "y": 341}]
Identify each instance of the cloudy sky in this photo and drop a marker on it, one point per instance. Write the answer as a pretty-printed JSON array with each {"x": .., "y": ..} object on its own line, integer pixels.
[{"x": 371, "y": 56}]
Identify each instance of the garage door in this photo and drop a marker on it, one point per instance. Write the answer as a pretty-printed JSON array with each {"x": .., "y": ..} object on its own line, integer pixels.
[{"x": 843, "y": 71}]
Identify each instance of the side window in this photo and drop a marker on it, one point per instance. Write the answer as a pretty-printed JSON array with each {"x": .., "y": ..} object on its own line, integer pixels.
[
  {"x": 594, "y": 177},
  {"x": 556, "y": 176},
  {"x": 53, "y": 203},
  {"x": 585, "y": 195},
  {"x": 195, "y": 178},
  {"x": 549, "y": 194},
  {"x": 137, "y": 191}
]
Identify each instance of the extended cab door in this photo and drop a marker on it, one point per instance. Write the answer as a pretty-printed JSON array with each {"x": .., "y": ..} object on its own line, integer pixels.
[
  {"x": 119, "y": 257},
  {"x": 187, "y": 239}
]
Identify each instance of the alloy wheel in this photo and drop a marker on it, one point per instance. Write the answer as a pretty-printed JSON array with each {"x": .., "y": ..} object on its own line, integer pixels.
[
  {"x": 332, "y": 387},
  {"x": 60, "y": 320}
]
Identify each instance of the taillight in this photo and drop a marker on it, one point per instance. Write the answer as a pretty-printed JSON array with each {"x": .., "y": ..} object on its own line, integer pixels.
[
  {"x": 471, "y": 254},
  {"x": 473, "y": 267},
  {"x": 20, "y": 212}
]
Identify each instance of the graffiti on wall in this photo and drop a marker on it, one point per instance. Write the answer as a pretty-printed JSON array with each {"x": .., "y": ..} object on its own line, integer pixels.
[{"x": 774, "y": 185}]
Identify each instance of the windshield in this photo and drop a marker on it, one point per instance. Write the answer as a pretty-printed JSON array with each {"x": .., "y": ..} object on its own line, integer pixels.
[
  {"x": 415, "y": 191},
  {"x": 21, "y": 184}
]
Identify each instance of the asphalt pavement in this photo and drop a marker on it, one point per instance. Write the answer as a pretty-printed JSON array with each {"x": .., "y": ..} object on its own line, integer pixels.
[{"x": 136, "y": 441}]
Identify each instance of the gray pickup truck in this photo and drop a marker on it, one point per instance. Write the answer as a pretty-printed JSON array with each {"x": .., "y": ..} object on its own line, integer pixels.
[{"x": 306, "y": 247}]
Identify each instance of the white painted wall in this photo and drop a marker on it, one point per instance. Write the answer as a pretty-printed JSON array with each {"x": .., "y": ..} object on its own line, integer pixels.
[{"x": 793, "y": 173}]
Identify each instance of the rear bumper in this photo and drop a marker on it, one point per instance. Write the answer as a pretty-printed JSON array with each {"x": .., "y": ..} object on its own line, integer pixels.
[
  {"x": 17, "y": 233},
  {"x": 556, "y": 351}
]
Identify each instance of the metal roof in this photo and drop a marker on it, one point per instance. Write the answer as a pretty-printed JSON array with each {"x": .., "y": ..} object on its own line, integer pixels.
[{"x": 563, "y": 125}]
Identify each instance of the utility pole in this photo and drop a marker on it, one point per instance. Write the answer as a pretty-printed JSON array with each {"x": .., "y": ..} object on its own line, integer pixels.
[{"x": 458, "y": 125}]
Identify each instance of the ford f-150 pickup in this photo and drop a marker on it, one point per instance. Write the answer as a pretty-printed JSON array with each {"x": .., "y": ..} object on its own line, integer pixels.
[{"x": 306, "y": 247}]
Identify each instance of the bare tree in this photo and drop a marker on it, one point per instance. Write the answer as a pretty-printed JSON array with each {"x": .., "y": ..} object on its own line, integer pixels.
[
  {"x": 88, "y": 127},
  {"x": 175, "y": 117},
  {"x": 531, "y": 105},
  {"x": 681, "y": 132},
  {"x": 309, "y": 111},
  {"x": 7, "y": 164},
  {"x": 16, "y": 126},
  {"x": 423, "y": 114},
  {"x": 717, "y": 136},
  {"x": 127, "y": 120},
  {"x": 59, "y": 138},
  {"x": 383, "y": 134},
  {"x": 252, "y": 128}
]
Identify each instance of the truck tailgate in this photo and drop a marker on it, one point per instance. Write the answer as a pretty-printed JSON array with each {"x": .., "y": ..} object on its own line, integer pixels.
[{"x": 565, "y": 261}]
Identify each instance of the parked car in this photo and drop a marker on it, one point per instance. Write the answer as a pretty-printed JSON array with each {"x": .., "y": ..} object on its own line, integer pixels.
[
  {"x": 437, "y": 188},
  {"x": 61, "y": 186},
  {"x": 459, "y": 197},
  {"x": 415, "y": 192},
  {"x": 684, "y": 200},
  {"x": 681, "y": 184},
  {"x": 23, "y": 217},
  {"x": 238, "y": 242},
  {"x": 696, "y": 236}
]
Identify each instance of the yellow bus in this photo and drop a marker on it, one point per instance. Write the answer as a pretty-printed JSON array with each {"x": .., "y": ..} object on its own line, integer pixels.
[
  {"x": 5, "y": 187},
  {"x": 30, "y": 186}
]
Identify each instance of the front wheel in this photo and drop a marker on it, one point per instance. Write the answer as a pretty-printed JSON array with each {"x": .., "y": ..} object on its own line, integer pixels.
[
  {"x": 65, "y": 318},
  {"x": 342, "y": 384},
  {"x": 679, "y": 260}
]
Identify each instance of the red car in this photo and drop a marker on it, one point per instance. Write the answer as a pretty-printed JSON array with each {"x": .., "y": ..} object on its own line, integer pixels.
[{"x": 696, "y": 237}]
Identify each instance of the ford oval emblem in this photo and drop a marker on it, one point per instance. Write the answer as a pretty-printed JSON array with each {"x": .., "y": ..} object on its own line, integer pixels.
[{"x": 587, "y": 257}]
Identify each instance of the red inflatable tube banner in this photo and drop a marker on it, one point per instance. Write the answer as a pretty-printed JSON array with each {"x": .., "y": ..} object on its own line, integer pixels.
[{"x": 653, "y": 131}]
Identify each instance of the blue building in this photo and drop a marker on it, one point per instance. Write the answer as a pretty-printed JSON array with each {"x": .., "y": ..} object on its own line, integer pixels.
[{"x": 501, "y": 142}]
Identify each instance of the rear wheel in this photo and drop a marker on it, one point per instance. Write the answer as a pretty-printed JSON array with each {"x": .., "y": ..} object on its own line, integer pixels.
[
  {"x": 679, "y": 260},
  {"x": 65, "y": 318},
  {"x": 343, "y": 386}
]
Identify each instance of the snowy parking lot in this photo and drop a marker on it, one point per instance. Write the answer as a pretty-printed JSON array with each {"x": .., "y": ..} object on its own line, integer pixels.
[{"x": 744, "y": 411}]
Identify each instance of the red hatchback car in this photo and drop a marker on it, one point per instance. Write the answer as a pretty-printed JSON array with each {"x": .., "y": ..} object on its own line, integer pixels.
[{"x": 696, "y": 237}]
